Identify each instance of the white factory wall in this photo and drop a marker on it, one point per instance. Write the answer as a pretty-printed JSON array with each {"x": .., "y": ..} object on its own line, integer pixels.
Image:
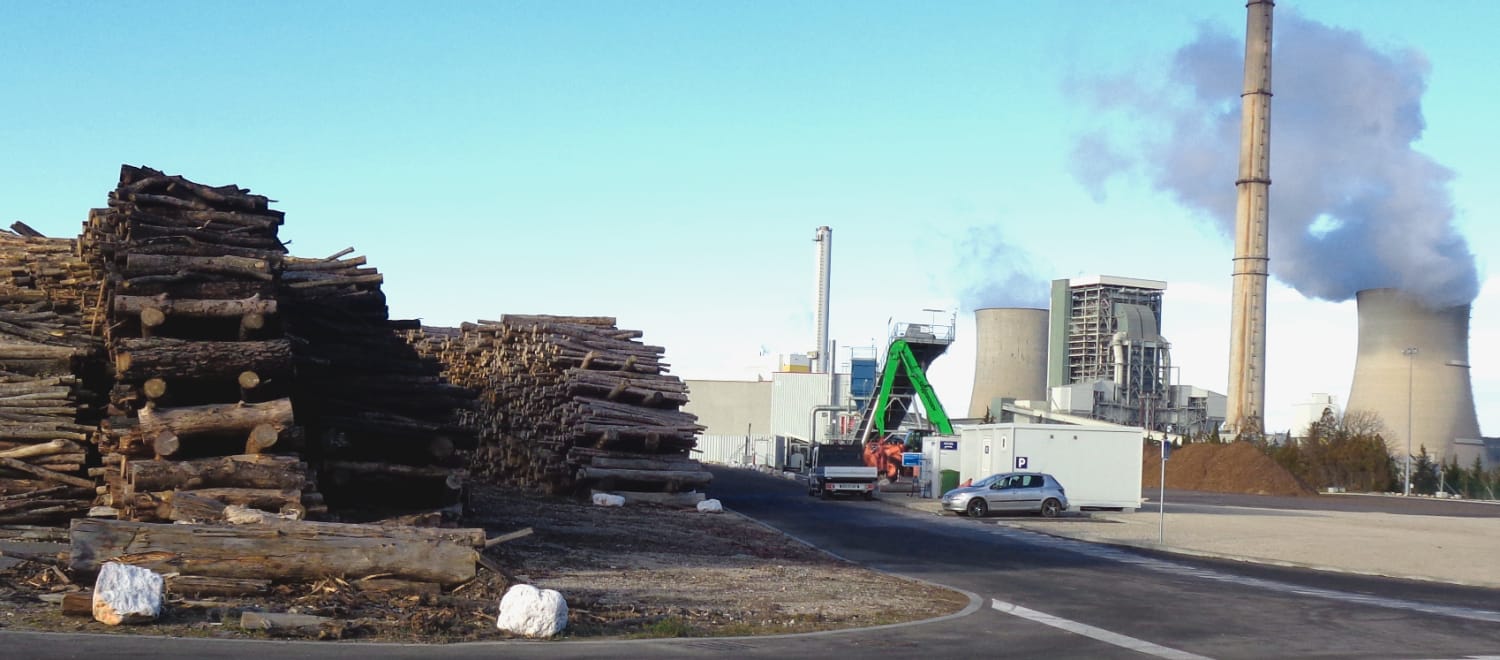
[
  {"x": 793, "y": 397},
  {"x": 741, "y": 450},
  {"x": 731, "y": 407}
]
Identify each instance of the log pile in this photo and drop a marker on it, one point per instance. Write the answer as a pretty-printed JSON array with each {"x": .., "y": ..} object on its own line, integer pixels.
[
  {"x": 47, "y": 410},
  {"x": 385, "y": 422},
  {"x": 192, "y": 327},
  {"x": 570, "y": 402}
]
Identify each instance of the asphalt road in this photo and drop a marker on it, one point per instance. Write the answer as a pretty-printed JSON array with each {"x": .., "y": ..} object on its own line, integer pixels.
[{"x": 1034, "y": 596}]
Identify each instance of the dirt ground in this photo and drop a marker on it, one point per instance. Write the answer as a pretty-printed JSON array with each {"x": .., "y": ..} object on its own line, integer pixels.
[
  {"x": 637, "y": 571},
  {"x": 1234, "y": 467}
]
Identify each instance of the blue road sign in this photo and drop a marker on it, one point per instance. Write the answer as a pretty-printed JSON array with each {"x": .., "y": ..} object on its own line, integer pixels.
[
  {"x": 948, "y": 445},
  {"x": 911, "y": 459},
  {"x": 1022, "y": 463}
]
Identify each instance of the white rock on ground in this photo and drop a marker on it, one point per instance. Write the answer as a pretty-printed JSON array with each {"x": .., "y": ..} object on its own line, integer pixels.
[
  {"x": 126, "y": 594},
  {"x": 605, "y": 499},
  {"x": 527, "y": 610},
  {"x": 710, "y": 506}
]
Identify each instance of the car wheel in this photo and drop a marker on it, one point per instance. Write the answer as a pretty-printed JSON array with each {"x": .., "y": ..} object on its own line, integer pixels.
[
  {"x": 1051, "y": 508},
  {"x": 869, "y": 496},
  {"x": 977, "y": 507}
]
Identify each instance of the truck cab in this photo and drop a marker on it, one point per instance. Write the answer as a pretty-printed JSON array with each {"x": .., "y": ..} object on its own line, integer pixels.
[{"x": 840, "y": 470}]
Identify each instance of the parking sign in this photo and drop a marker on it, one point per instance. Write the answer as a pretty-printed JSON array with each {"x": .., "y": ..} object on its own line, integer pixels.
[{"x": 1022, "y": 463}]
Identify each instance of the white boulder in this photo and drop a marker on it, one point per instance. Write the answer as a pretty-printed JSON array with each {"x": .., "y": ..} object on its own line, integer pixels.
[
  {"x": 710, "y": 506},
  {"x": 605, "y": 499},
  {"x": 527, "y": 610},
  {"x": 126, "y": 594}
]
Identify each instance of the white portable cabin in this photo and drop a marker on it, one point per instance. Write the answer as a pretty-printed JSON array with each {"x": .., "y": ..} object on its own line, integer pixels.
[{"x": 1099, "y": 467}]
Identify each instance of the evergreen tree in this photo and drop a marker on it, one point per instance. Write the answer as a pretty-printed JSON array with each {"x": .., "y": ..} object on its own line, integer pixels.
[
  {"x": 1424, "y": 476},
  {"x": 1453, "y": 476}
]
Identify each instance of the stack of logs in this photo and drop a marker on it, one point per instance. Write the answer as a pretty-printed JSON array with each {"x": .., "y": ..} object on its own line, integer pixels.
[
  {"x": 47, "y": 411},
  {"x": 572, "y": 402},
  {"x": 385, "y": 424},
  {"x": 202, "y": 372}
]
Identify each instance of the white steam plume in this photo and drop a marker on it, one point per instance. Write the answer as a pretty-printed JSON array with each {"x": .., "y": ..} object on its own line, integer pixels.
[{"x": 1353, "y": 204}]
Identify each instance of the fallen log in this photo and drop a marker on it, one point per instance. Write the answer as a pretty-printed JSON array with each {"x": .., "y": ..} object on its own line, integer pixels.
[
  {"x": 195, "y": 308},
  {"x": 683, "y": 477},
  {"x": 202, "y": 585},
  {"x": 140, "y": 359},
  {"x": 44, "y": 473},
  {"x": 259, "y": 471},
  {"x": 218, "y": 418},
  {"x": 281, "y": 550}
]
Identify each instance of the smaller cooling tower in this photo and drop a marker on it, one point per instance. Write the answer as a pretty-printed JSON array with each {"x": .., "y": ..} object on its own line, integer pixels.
[
  {"x": 1010, "y": 356},
  {"x": 1435, "y": 375}
]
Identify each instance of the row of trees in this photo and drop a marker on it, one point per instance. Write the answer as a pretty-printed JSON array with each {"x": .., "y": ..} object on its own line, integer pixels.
[{"x": 1350, "y": 452}]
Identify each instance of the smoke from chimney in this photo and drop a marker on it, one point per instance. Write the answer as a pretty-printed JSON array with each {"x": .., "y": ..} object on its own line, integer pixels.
[
  {"x": 992, "y": 272},
  {"x": 1354, "y": 205}
]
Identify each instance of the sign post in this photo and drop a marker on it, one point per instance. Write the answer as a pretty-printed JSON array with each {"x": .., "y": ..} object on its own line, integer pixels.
[{"x": 1161, "y": 500}]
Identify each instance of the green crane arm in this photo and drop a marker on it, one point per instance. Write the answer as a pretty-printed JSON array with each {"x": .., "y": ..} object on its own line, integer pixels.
[{"x": 900, "y": 358}]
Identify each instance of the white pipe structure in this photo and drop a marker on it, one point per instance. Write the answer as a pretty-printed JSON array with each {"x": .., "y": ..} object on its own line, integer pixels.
[
  {"x": 1247, "y": 325},
  {"x": 824, "y": 239}
]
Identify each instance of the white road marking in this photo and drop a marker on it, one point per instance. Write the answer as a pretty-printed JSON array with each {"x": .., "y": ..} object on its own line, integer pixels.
[{"x": 1122, "y": 641}]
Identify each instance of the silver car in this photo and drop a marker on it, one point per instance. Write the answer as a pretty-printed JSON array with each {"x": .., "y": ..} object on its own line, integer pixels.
[{"x": 1012, "y": 491}]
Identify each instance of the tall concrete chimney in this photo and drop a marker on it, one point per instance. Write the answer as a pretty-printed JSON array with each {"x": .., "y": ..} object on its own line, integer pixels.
[
  {"x": 1412, "y": 369},
  {"x": 1247, "y": 334},
  {"x": 824, "y": 239},
  {"x": 1010, "y": 356}
]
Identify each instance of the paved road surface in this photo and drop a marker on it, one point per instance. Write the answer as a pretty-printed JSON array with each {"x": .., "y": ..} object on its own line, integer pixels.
[{"x": 1036, "y": 596}]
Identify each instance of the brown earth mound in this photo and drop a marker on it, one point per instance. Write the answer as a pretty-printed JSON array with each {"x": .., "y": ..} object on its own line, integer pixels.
[{"x": 1236, "y": 467}]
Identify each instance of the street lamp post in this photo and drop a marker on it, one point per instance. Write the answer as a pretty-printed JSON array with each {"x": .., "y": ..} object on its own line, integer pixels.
[{"x": 1410, "y": 353}]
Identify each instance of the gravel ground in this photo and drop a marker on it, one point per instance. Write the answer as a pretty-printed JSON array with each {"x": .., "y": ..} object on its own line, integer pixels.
[{"x": 637, "y": 571}]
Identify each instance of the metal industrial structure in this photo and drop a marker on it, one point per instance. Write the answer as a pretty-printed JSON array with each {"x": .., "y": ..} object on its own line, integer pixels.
[
  {"x": 1247, "y": 334},
  {"x": 903, "y": 381},
  {"x": 1009, "y": 357},
  {"x": 824, "y": 238},
  {"x": 1108, "y": 360},
  {"x": 1412, "y": 369}
]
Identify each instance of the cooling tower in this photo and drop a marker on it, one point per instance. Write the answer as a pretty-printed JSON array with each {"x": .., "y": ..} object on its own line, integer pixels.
[
  {"x": 1010, "y": 356},
  {"x": 1432, "y": 381}
]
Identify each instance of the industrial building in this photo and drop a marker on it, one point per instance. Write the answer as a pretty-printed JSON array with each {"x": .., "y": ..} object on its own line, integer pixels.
[{"x": 1107, "y": 360}]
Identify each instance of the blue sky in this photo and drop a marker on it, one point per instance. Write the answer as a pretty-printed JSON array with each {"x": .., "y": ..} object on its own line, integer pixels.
[{"x": 668, "y": 162}]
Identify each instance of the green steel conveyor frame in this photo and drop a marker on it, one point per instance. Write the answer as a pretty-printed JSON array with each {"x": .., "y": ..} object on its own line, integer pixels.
[{"x": 900, "y": 359}]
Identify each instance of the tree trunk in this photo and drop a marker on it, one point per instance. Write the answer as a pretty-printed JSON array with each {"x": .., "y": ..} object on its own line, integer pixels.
[
  {"x": 140, "y": 359},
  {"x": 219, "y": 418},
  {"x": 261, "y": 471},
  {"x": 195, "y": 308},
  {"x": 278, "y": 551}
]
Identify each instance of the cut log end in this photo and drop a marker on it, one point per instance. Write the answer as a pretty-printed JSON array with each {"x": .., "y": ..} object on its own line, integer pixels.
[
  {"x": 152, "y": 317},
  {"x": 262, "y": 437},
  {"x": 155, "y": 388},
  {"x": 249, "y": 380},
  {"x": 166, "y": 443}
]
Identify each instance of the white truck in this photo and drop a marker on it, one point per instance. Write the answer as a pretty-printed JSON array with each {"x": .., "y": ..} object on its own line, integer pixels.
[{"x": 840, "y": 470}]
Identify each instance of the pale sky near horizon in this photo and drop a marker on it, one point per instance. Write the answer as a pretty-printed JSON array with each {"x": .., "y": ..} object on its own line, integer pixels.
[{"x": 667, "y": 162}]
